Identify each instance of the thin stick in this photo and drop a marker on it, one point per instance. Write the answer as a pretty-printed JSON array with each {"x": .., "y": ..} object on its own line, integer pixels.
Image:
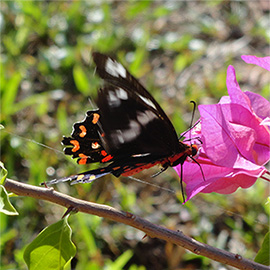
[{"x": 152, "y": 230}]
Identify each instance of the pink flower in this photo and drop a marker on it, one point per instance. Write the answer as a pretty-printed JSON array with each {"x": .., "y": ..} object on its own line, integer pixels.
[
  {"x": 263, "y": 62},
  {"x": 235, "y": 141}
]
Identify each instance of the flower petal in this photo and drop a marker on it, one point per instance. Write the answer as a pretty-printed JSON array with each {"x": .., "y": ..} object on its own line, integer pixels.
[
  {"x": 263, "y": 62},
  {"x": 266, "y": 122},
  {"x": 231, "y": 133},
  {"x": 218, "y": 179},
  {"x": 235, "y": 93},
  {"x": 235, "y": 135},
  {"x": 259, "y": 104}
]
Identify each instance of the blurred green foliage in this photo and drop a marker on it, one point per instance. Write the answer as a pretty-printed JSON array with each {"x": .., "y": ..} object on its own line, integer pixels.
[{"x": 180, "y": 50}]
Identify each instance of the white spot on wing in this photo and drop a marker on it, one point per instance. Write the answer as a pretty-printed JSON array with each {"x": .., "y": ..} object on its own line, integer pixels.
[
  {"x": 145, "y": 117},
  {"x": 115, "y": 69},
  {"x": 127, "y": 135},
  {"x": 141, "y": 155},
  {"x": 121, "y": 93},
  {"x": 134, "y": 128},
  {"x": 95, "y": 145},
  {"x": 119, "y": 135},
  {"x": 113, "y": 100},
  {"x": 148, "y": 101}
]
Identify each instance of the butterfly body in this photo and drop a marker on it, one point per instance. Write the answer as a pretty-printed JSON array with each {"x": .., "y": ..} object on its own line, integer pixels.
[{"x": 129, "y": 130}]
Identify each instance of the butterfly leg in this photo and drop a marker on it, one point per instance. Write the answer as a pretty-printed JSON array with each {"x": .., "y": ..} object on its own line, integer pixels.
[
  {"x": 164, "y": 168},
  {"x": 181, "y": 183}
]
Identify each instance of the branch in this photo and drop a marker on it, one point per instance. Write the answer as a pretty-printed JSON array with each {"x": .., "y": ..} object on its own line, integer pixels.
[{"x": 151, "y": 230}]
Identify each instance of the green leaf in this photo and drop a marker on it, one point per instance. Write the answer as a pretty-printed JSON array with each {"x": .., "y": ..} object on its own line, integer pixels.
[
  {"x": 62, "y": 117},
  {"x": 262, "y": 256},
  {"x": 121, "y": 261},
  {"x": 81, "y": 80},
  {"x": 10, "y": 92},
  {"x": 5, "y": 206},
  {"x": 136, "y": 66},
  {"x": 137, "y": 7},
  {"x": 36, "y": 100},
  {"x": 161, "y": 11},
  {"x": 88, "y": 236},
  {"x": 52, "y": 248},
  {"x": 3, "y": 171},
  {"x": 180, "y": 63}
]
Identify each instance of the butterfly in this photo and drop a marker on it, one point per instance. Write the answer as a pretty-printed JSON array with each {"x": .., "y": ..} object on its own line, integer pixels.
[{"x": 129, "y": 131}]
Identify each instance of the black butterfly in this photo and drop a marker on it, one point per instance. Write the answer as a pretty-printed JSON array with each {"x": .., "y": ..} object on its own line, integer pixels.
[{"x": 129, "y": 130}]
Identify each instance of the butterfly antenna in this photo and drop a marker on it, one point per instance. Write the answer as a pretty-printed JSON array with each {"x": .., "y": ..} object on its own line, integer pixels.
[
  {"x": 183, "y": 134},
  {"x": 193, "y": 112},
  {"x": 153, "y": 185},
  {"x": 191, "y": 121},
  {"x": 193, "y": 138}
]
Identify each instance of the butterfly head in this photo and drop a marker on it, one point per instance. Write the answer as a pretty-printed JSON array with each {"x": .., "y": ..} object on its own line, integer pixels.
[{"x": 193, "y": 150}]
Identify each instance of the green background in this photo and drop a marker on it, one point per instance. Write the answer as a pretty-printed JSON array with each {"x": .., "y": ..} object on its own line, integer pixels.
[{"x": 180, "y": 51}]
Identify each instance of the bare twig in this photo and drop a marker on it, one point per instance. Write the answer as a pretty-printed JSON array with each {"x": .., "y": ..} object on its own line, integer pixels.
[{"x": 152, "y": 230}]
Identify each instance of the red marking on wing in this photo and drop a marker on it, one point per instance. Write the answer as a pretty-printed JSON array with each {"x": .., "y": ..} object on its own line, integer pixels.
[
  {"x": 103, "y": 153},
  {"x": 130, "y": 171},
  {"x": 95, "y": 118},
  {"x": 83, "y": 129},
  {"x": 83, "y": 159},
  {"x": 107, "y": 158},
  {"x": 76, "y": 145}
]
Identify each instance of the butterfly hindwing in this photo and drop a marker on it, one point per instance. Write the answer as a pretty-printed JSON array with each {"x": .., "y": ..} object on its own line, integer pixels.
[{"x": 85, "y": 142}]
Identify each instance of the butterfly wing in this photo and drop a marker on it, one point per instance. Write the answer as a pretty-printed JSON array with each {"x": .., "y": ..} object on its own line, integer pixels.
[
  {"x": 131, "y": 119},
  {"x": 85, "y": 142},
  {"x": 129, "y": 130}
]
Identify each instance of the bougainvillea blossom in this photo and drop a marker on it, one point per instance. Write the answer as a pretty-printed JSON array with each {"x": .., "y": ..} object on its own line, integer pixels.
[{"x": 235, "y": 142}]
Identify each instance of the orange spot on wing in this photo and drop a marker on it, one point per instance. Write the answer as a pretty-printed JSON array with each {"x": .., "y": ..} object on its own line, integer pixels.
[
  {"x": 83, "y": 159},
  {"x": 76, "y": 145},
  {"x": 109, "y": 157},
  {"x": 84, "y": 131},
  {"x": 103, "y": 153},
  {"x": 95, "y": 118}
]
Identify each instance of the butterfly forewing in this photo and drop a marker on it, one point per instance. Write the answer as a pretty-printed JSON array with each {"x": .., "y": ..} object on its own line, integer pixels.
[
  {"x": 114, "y": 73},
  {"x": 131, "y": 118}
]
